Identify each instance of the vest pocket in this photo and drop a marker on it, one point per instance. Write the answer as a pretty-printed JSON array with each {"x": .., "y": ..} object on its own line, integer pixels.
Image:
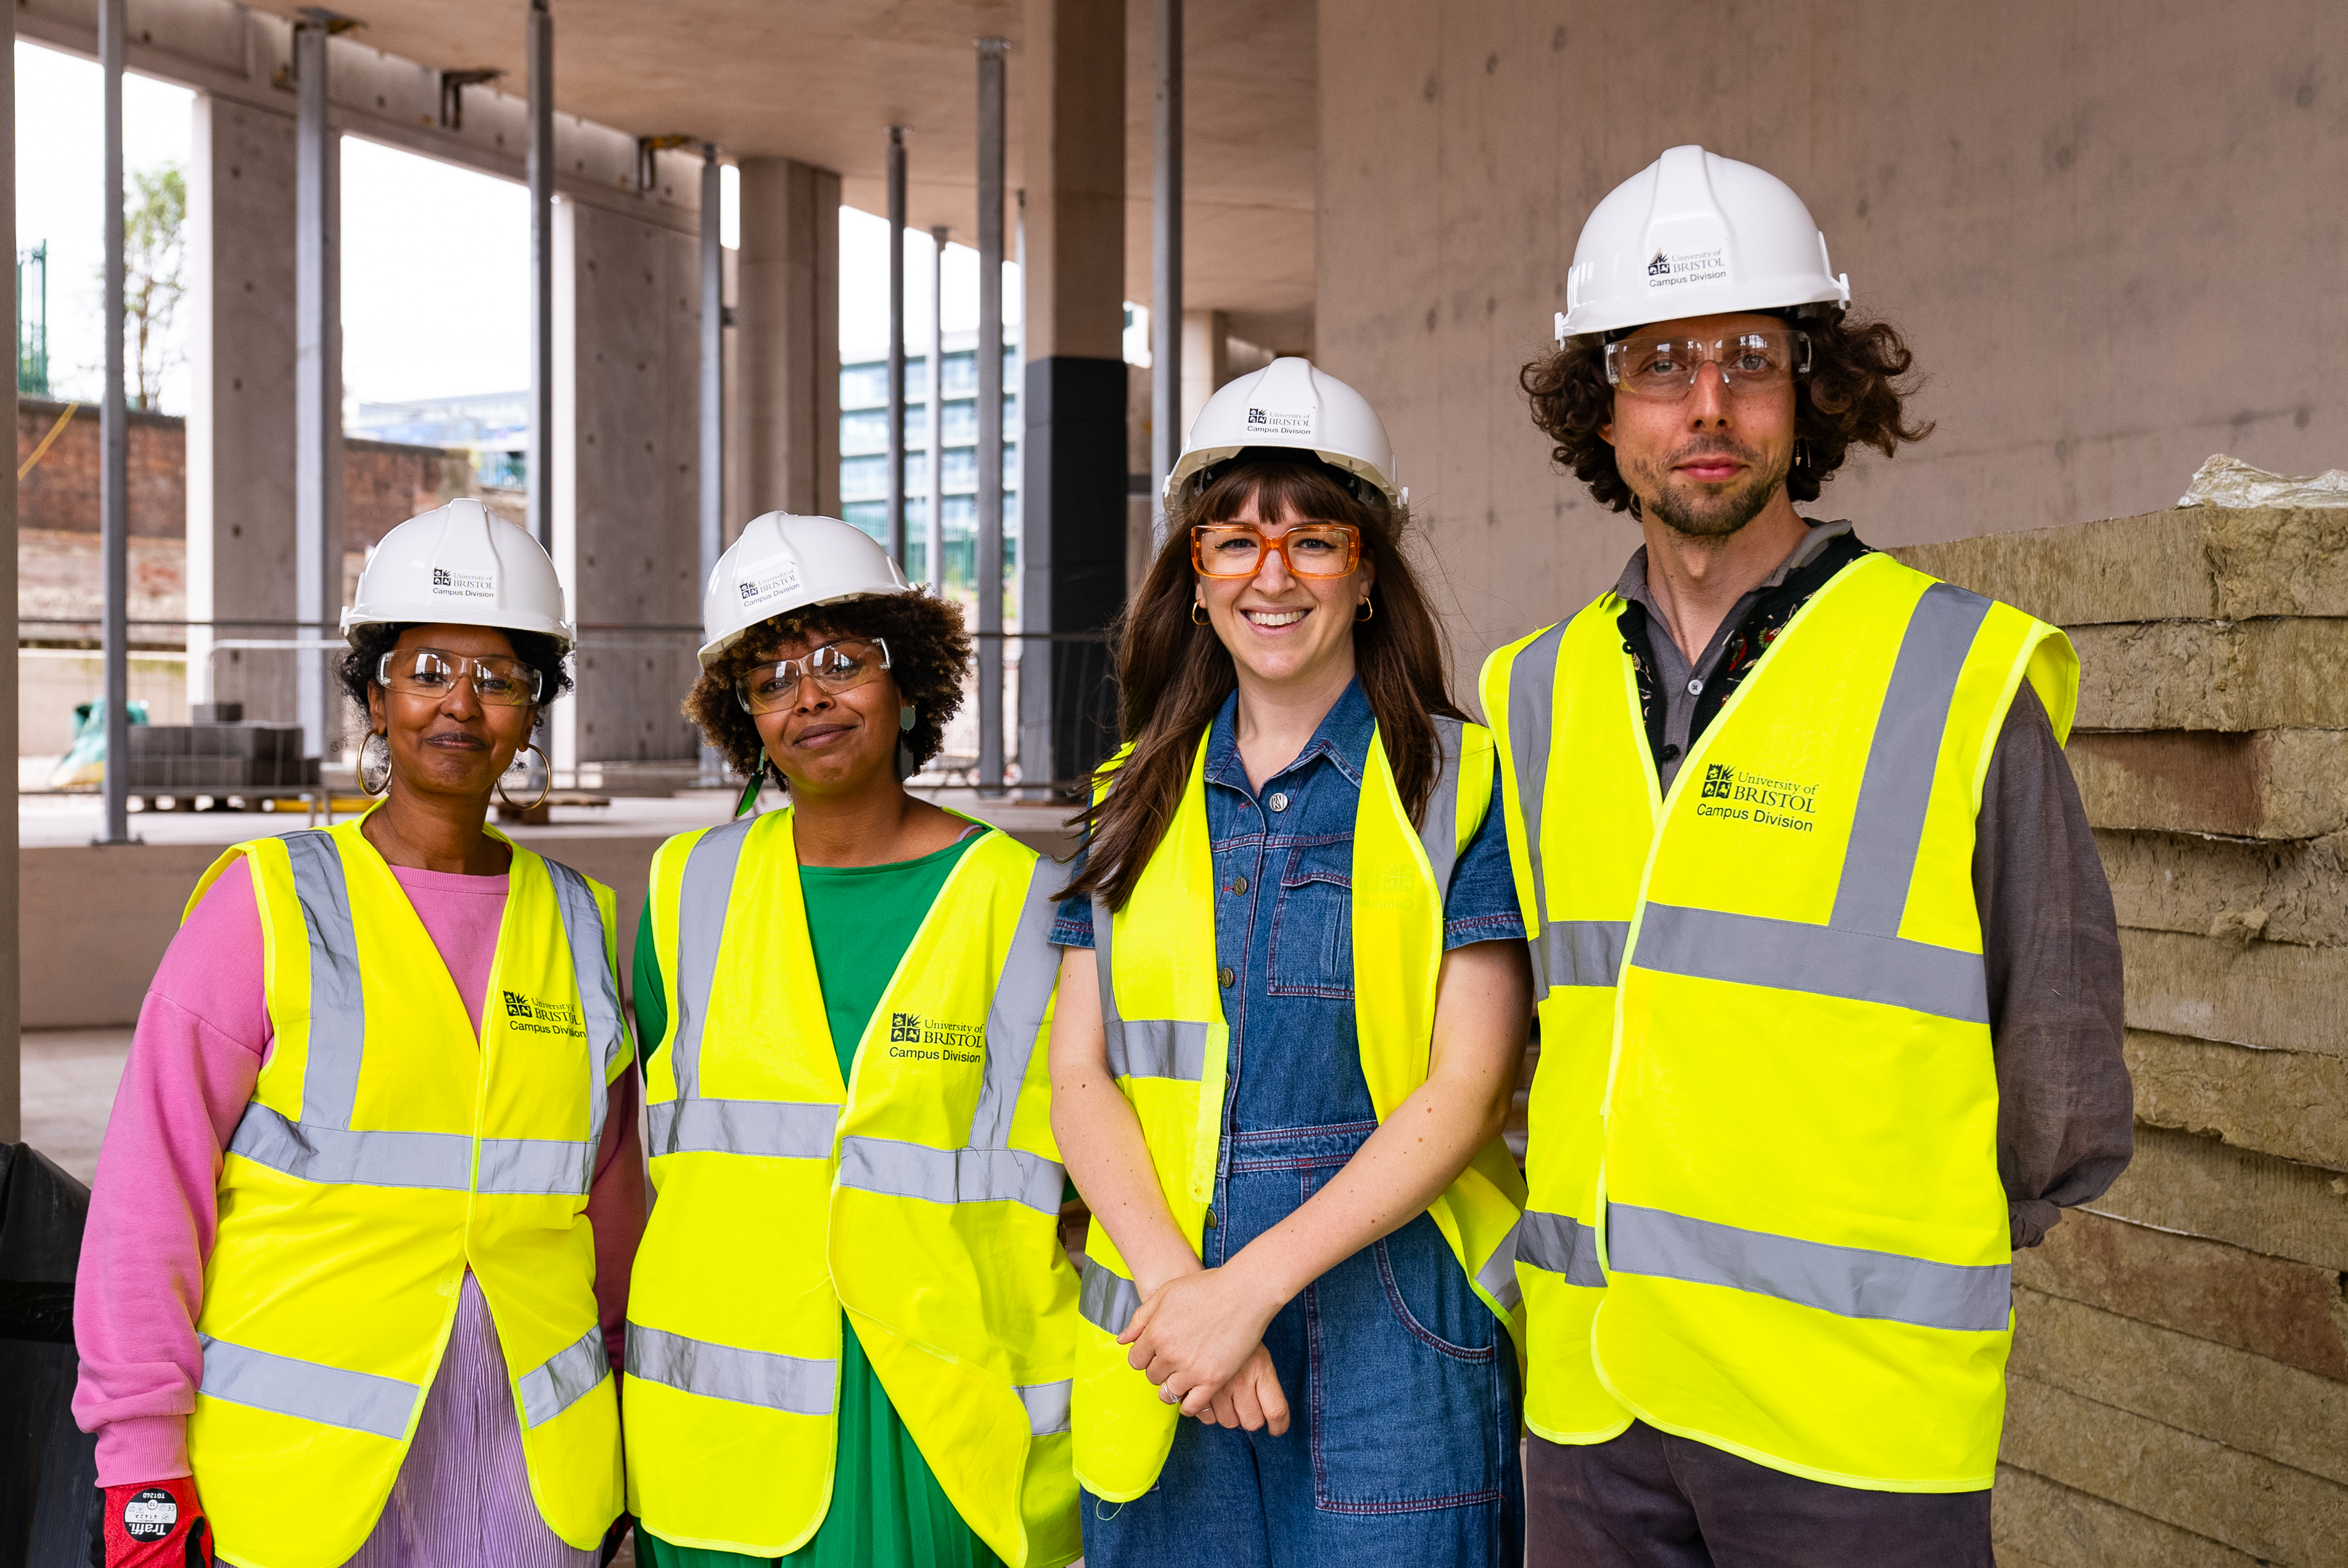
[
  {"x": 1396, "y": 1328},
  {"x": 1313, "y": 922}
]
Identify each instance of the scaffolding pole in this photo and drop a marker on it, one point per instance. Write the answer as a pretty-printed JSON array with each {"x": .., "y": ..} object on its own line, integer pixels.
[
  {"x": 712, "y": 394},
  {"x": 114, "y": 438},
  {"x": 317, "y": 375},
  {"x": 896, "y": 536},
  {"x": 933, "y": 536},
  {"x": 989, "y": 574},
  {"x": 1166, "y": 269},
  {"x": 541, "y": 477}
]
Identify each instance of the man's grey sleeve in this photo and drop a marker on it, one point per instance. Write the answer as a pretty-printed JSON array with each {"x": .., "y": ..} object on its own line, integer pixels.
[{"x": 2065, "y": 1118}]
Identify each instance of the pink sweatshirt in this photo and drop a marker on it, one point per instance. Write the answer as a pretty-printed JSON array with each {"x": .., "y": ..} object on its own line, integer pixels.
[{"x": 202, "y": 1036}]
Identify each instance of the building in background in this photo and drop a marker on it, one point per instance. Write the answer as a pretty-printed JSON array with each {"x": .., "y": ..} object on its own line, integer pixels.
[
  {"x": 494, "y": 426},
  {"x": 864, "y": 457}
]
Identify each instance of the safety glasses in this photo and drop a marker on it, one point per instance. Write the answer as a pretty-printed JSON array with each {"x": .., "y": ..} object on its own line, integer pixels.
[
  {"x": 1749, "y": 363},
  {"x": 1309, "y": 549},
  {"x": 434, "y": 672},
  {"x": 835, "y": 668}
]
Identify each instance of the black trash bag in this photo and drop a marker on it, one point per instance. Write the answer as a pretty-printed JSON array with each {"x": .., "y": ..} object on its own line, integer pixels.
[{"x": 50, "y": 1501}]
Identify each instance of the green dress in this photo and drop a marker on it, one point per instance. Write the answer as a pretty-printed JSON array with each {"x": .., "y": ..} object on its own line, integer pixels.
[{"x": 887, "y": 1507}]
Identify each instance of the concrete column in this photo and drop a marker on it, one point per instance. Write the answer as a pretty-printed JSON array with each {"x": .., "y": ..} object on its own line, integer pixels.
[
  {"x": 787, "y": 332},
  {"x": 239, "y": 261},
  {"x": 11, "y": 993},
  {"x": 1206, "y": 363},
  {"x": 1072, "y": 496},
  {"x": 627, "y": 487}
]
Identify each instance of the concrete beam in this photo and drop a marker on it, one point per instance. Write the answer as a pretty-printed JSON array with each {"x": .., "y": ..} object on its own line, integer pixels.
[
  {"x": 232, "y": 52},
  {"x": 787, "y": 338}
]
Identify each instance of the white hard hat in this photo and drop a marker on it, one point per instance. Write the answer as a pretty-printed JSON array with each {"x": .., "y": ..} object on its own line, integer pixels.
[
  {"x": 784, "y": 562},
  {"x": 1695, "y": 233},
  {"x": 1289, "y": 404},
  {"x": 462, "y": 565}
]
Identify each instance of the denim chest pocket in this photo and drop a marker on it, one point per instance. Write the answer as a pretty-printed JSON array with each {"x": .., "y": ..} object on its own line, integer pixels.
[{"x": 1313, "y": 922}]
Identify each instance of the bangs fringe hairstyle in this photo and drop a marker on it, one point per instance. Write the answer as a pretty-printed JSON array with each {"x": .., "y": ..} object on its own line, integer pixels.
[
  {"x": 928, "y": 652},
  {"x": 1174, "y": 674},
  {"x": 1855, "y": 394}
]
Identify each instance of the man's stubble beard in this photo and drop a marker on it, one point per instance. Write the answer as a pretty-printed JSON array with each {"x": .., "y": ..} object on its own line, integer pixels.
[{"x": 1713, "y": 517}]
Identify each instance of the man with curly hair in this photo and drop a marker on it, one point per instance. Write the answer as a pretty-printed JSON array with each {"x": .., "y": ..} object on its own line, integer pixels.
[{"x": 1828, "y": 974}]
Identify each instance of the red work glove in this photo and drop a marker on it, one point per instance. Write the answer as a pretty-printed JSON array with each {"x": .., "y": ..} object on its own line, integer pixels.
[{"x": 160, "y": 1525}]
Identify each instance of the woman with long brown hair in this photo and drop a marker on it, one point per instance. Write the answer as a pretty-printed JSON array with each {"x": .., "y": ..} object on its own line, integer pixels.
[{"x": 1292, "y": 1007}]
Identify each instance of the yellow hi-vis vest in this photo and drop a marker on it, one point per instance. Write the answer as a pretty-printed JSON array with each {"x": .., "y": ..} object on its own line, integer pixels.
[
  {"x": 386, "y": 1150},
  {"x": 1169, "y": 1048},
  {"x": 923, "y": 1196},
  {"x": 1772, "y": 1219}
]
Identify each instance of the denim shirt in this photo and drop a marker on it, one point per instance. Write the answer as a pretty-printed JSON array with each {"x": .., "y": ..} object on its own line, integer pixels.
[{"x": 1284, "y": 920}]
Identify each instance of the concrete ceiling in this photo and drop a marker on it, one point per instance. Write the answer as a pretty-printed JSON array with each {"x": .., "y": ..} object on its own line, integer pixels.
[{"x": 821, "y": 81}]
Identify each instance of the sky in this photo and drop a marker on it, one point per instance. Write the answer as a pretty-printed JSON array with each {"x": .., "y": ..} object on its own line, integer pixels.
[{"x": 431, "y": 308}]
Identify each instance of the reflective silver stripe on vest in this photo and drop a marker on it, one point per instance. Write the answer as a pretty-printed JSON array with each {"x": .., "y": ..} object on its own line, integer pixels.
[
  {"x": 1791, "y": 955},
  {"x": 1499, "y": 1274},
  {"x": 950, "y": 1175},
  {"x": 569, "y": 1376},
  {"x": 707, "y": 887},
  {"x": 1439, "y": 827},
  {"x": 1581, "y": 952},
  {"x": 1850, "y": 1282},
  {"x": 1896, "y": 790},
  {"x": 307, "y": 1391},
  {"x": 330, "y": 1074},
  {"x": 1106, "y": 1300},
  {"x": 1560, "y": 1245},
  {"x": 1014, "y": 1018},
  {"x": 1142, "y": 1047},
  {"x": 1860, "y": 955},
  {"x": 1563, "y": 954},
  {"x": 1047, "y": 1406},
  {"x": 535, "y": 1167},
  {"x": 800, "y": 1384},
  {"x": 440, "y": 1161},
  {"x": 599, "y": 999},
  {"x": 774, "y": 1129}
]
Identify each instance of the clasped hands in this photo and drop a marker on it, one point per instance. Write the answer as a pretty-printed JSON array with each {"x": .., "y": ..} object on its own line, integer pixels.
[{"x": 1198, "y": 1336}]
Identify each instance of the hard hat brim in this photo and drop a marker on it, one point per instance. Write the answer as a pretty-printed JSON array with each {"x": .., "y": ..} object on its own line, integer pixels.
[
  {"x": 425, "y": 615},
  {"x": 1200, "y": 459},
  {"x": 711, "y": 651}
]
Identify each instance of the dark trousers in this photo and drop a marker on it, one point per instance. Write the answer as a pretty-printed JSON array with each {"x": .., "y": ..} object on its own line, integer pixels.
[{"x": 1649, "y": 1500}]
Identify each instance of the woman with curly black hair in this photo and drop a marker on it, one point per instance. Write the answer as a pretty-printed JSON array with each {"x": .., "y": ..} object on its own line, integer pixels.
[
  {"x": 854, "y": 1327},
  {"x": 360, "y": 1238}
]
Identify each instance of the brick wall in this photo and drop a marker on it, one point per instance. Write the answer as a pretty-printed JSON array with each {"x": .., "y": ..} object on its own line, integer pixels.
[
  {"x": 2178, "y": 1390},
  {"x": 60, "y": 573}
]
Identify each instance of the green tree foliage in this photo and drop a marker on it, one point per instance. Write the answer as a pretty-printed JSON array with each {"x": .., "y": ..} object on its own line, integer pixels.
[{"x": 153, "y": 252}]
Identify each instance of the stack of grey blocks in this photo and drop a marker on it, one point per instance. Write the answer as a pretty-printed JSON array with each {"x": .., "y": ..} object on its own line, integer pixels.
[{"x": 221, "y": 753}]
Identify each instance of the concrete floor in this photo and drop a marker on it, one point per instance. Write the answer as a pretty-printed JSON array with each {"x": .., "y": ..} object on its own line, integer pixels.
[{"x": 69, "y": 1080}]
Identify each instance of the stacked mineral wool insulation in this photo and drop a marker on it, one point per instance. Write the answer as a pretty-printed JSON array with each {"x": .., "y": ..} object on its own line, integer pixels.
[{"x": 2179, "y": 1379}]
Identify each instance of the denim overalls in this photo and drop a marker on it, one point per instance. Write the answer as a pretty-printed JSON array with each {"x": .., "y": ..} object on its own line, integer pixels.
[{"x": 1401, "y": 1385}]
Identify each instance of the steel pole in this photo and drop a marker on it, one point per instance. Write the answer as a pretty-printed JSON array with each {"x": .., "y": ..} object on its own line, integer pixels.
[
  {"x": 712, "y": 394},
  {"x": 989, "y": 574},
  {"x": 896, "y": 535},
  {"x": 1166, "y": 269},
  {"x": 11, "y": 991},
  {"x": 541, "y": 458},
  {"x": 114, "y": 437},
  {"x": 933, "y": 537},
  {"x": 317, "y": 410}
]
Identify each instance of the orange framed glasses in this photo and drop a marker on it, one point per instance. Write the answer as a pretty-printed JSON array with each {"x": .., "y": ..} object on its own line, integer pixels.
[{"x": 1307, "y": 550}]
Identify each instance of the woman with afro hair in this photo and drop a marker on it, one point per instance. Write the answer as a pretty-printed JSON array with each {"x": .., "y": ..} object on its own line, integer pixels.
[{"x": 852, "y": 1331}]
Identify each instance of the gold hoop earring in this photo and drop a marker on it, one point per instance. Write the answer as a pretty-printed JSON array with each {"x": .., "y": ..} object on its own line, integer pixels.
[
  {"x": 375, "y": 757},
  {"x": 1364, "y": 610},
  {"x": 548, "y": 788},
  {"x": 1198, "y": 614}
]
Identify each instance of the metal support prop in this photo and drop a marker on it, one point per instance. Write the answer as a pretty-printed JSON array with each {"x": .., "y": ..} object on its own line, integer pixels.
[
  {"x": 114, "y": 436},
  {"x": 896, "y": 539},
  {"x": 317, "y": 373},
  {"x": 1166, "y": 270},
  {"x": 541, "y": 477},
  {"x": 713, "y": 394},
  {"x": 989, "y": 575},
  {"x": 933, "y": 537}
]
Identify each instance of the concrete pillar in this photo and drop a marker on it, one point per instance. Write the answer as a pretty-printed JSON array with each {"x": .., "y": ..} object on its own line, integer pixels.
[
  {"x": 11, "y": 993},
  {"x": 627, "y": 487},
  {"x": 786, "y": 319},
  {"x": 1206, "y": 362},
  {"x": 1070, "y": 75},
  {"x": 240, "y": 262}
]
